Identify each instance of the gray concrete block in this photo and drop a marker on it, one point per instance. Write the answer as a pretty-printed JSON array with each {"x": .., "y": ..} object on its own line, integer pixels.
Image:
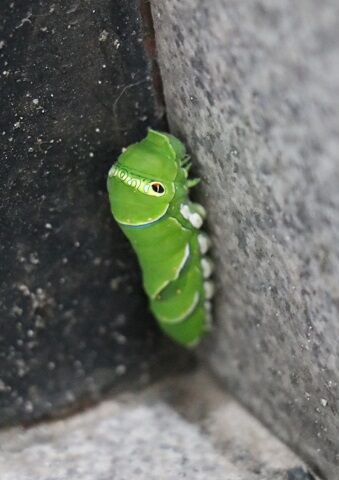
[
  {"x": 253, "y": 89},
  {"x": 184, "y": 428},
  {"x": 77, "y": 85}
]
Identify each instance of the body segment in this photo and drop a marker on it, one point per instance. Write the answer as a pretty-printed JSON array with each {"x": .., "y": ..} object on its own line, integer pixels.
[{"x": 148, "y": 190}]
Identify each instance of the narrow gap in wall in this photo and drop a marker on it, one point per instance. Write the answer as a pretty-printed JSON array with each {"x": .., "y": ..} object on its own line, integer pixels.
[{"x": 151, "y": 49}]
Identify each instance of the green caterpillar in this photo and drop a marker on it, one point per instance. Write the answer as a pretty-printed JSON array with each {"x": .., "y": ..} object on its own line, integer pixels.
[{"x": 148, "y": 191}]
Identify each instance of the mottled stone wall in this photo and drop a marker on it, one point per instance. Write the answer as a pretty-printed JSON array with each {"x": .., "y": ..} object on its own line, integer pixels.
[
  {"x": 77, "y": 84},
  {"x": 253, "y": 89}
]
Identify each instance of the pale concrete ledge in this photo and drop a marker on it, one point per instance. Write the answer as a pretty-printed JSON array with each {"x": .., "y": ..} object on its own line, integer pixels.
[{"x": 183, "y": 428}]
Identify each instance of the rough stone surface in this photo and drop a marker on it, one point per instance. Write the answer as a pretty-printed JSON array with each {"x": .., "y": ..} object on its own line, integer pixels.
[
  {"x": 253, "y": 89},
  {"x": 76, "y": 86},
  {"x": 184, "y": 428}
]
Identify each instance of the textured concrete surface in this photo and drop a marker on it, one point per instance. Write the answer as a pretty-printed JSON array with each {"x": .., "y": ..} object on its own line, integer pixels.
[
  {"x": 253, "y": 88},
  {"x": 76, "y": 85},
  {"x": 185, "y": 428}
]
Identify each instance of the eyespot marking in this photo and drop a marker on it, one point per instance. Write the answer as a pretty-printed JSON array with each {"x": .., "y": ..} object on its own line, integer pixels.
[{"x": 158, "y": 188}]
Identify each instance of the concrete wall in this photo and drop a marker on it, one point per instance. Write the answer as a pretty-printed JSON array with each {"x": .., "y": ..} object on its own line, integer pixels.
[
  {"x": 252, "y": 87},
  {"x": 77, "y": 85}
]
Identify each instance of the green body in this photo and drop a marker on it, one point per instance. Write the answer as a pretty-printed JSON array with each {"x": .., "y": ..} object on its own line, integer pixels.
[{"x": 148, "y": 191}]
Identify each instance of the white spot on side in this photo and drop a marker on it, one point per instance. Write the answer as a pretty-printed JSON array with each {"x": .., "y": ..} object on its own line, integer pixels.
[
  {"x": 196, "y": 220},
  {"x": 209, "y": 289},
  {"x": 200, "y": 209},
  {"x": 207, "y": 267},
  {"x": 185, "y": 211},
  {"x": 204, "y": 243}
]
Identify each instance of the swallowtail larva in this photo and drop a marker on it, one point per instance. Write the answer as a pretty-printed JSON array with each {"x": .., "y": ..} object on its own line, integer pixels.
[{"x": 149, "y": 196}]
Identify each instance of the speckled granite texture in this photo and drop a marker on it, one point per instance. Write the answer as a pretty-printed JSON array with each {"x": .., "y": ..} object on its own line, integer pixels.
[
  {"x": 253, "y": 88},
  {"x": 184, "y": 428}
]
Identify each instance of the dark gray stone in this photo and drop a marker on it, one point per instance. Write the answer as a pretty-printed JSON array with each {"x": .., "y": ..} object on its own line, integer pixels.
[
  {"x": 77, "y": 84},
  {"x": 253, "y": 89},
  {"x": 299, "y": 473}
]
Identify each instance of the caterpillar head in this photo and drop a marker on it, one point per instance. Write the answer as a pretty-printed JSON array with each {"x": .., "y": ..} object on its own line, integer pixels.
[{"x": 141, "y": 183}]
